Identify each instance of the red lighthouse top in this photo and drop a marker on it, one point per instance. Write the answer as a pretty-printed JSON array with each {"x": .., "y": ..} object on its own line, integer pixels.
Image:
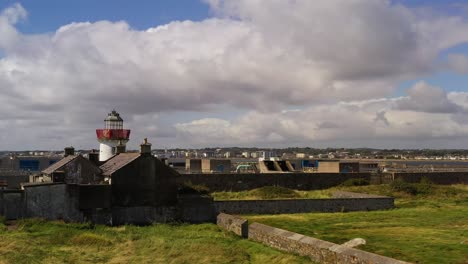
[{"x": 113, "y": 128}]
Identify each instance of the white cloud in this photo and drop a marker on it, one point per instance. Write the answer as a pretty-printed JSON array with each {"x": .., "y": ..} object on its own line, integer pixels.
[
  {"x": 326, "y": 56},
  {"x": 458, "y": 63},
  {"x": 425, "y": 98}
]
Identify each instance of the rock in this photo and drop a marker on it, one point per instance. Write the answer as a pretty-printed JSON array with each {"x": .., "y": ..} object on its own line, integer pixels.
[{"x": 354, "y": 242}]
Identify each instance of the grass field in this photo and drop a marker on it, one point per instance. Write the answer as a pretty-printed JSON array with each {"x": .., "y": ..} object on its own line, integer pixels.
[
  {"x": 36, "y": 241},
  {"x": 428, "y": 225}
]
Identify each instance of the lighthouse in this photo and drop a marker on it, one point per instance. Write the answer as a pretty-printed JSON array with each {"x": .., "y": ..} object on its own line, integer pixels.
[{"x": 113, "y": 137}]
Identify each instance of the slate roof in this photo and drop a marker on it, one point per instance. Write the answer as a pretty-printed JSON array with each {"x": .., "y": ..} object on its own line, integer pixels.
[
  {"x": 57, "y": 165},
  {"x": 117, "y": 162}
]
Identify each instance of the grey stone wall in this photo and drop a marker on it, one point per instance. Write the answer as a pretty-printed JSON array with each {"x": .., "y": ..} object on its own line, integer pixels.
[
  {"x": 237, "y": 225},
  {"x": 316, "y": 249},
  {"x": 242, "y": 182},
  {"x": 343, "y": 194},
  {"x": 11, "y": 204},
  {"x": 195, "y": 208},
  {"x": 304, "y": 205},
  {"x": 53, "y": 201},
  {"x": 142, "y": 215}
]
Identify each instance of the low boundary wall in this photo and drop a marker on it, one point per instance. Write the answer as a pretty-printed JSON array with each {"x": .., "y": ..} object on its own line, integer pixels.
[
  {"x": 346, "y": 202},
  {"x": 237, "y": 225},
  {"x": 316, "y": 249}
]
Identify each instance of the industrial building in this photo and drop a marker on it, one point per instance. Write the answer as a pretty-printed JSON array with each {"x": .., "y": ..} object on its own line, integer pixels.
[
  {"x": 336, "y": 166},
  {"x": 208, "y": 165}
]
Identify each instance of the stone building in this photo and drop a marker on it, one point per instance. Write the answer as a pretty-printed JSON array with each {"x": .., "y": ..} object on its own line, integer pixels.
[
  {"x": 140, "y": 179},
  {"x": 72, "y": 169}
]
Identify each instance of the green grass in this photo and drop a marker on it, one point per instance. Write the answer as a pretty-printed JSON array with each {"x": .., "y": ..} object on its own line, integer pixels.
[
  {"x": 38, "y": 241},
  {"x": 428, "y": 227},
  {"x": 270, "y": 192}
]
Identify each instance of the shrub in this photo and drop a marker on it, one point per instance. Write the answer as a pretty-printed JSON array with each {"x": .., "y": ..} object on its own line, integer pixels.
[
  {"x": 399, "y": 185},
  {"x": 424, "y": 186},
  {"x": 355, "y": 182}
]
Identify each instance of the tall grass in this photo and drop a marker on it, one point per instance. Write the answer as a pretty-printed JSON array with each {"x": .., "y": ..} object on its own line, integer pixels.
[
  {"x": 428, "y": 225},
  {"x": 38, "y": 241}
]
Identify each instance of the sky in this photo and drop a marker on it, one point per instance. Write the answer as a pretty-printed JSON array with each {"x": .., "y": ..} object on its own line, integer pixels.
[{"x": 221, "y": 73}]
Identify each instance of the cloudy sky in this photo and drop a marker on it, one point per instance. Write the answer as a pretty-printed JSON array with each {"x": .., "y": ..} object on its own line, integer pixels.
[{"x": 267, "y": 73}]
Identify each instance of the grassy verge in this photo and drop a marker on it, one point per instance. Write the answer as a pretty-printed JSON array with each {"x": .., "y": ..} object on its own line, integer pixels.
[
  {"x": 37, "y": 241},
  {"x": 271, "y": 192},
  {"x": 428, "y": 225}
]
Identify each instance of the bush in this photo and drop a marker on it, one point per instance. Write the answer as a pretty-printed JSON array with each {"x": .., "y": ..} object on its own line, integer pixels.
[
  {"x": 355, "y": 182},
  {"x": 399, "y": 185},
  {"x": 424, "y": 187}
]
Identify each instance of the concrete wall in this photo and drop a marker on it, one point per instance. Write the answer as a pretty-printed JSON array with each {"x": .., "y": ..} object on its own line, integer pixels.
[
  {"x": 304, "y": 205},
  {"x": 193, "y": 165},
  {"x": 14, "y": 181},
  {"x": 242, "y": 182},
  {"x": 52, "y": 201},
  {"x": 142, "y": 215},
  {"x": 11, "y": 204},
  {"x": 237, "y": 225},
  {"x": 195, "y": 208},
  {"x": 316, "y": 249}
]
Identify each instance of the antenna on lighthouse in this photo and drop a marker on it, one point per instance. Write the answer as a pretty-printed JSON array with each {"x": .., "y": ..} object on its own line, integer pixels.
[{"x": 113, "y": 137}]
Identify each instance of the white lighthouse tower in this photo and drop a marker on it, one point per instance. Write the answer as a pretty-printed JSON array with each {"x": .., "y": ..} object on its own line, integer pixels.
[{"x": 112, "y": 137}]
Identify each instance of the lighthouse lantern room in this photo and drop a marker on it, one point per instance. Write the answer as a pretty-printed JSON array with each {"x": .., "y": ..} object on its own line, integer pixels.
[{"x": 111, "y": 136}]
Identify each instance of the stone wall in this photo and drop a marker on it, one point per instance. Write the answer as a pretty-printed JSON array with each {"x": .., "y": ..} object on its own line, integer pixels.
[
  {"x": 292, "y": 206},
  {"x": 52, "y": 201},
  {"x": 343, "y": 194},
  {"x": 316, "y": 249},
  {"x": 11, "y": 204},
  {"x": 195, "y": 208},
  {"x": 237, "y": 225},
  {"x": 142, "y": 215},
  {"x": 242, "y": 182}
]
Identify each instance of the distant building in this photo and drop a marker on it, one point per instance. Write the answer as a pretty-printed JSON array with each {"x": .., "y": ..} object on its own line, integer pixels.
[
  {"x": 368, "y": 167},
  {"x": 327, "y": 166},
  {"x": 216, "y": 166},
  {"x": 31, "y": 164},
  {"x": 208, "y": 165}
]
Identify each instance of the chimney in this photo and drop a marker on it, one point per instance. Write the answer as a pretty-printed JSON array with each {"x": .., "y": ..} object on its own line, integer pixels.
[
  {"x": 93, "y": 156},
  {"x": 120, "y": 148},
  {"x": 145, "y": 148},
  {"x": 69, "y": 151}
]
